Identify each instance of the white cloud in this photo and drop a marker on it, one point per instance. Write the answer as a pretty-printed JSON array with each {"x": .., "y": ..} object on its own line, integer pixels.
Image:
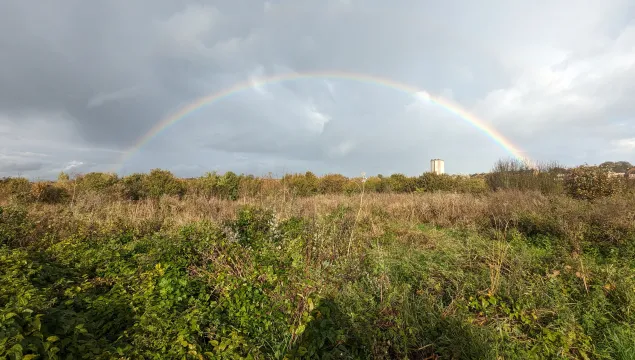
[
  {"x": 564, "y": 88},
  {"x": 72, "y": 165},
  {"x": 317, "y": 120}
]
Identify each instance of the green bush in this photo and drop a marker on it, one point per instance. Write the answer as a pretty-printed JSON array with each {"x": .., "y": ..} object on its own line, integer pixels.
[
  {"x": 96, "y": 181},
  {"x": 332, "y": 184},
  {"x": 301, "y": 184},
  {"x": 15, "y": 226},
  {"x": 132, "y": 187},
  {"x": 206, "y": 185},
  {"x": 162, "y": 182},
  {"x": 228, "y": 186}
]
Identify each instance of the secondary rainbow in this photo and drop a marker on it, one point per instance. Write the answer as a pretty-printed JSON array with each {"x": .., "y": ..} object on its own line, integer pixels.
[{"x": 201, "y": 102}]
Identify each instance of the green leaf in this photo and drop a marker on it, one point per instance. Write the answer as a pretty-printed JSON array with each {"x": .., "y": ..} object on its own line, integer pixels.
[{"x": 10, "y": 315}]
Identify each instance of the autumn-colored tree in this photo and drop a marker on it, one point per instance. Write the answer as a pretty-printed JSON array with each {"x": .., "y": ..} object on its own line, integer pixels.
[{"x": 590, "y": 182}]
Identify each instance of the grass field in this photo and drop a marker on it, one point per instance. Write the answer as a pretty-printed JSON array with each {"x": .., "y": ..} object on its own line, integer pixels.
[{"x": 475, "y": 274}]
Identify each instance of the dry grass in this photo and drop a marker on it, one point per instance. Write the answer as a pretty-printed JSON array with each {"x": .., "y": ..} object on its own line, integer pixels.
[{"x": 611, "y": 219}]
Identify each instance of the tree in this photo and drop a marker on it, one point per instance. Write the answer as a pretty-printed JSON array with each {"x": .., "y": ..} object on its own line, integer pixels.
[
  {"x": 590, "y": 182},
  {"x": 618, "y": 166}
]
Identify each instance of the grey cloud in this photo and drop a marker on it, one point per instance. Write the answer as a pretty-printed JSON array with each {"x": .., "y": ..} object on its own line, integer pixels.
[
  {"x": 14, "y": 167},
  {"x": 99, "y": 75}
]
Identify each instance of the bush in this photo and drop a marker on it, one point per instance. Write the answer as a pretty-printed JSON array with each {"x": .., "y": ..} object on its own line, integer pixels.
[
  {"x": 63, "y": 177},
  {"x": 17, "y": 189},
  {"x": 401, "y": 183},
  {"x": 301, "y": 184},
  {"x": 435, "y": 182},
  {"x": 132, "y": 187},
  {"x": 516, "y": 175},
  {"x": 162, "y": 182},
  {"x": 590, "y": 182},
  {"x": 96, "y": 181},
  {"x": 228, "y": 186},
  {"x": 15, "y": 226},
  {"x": 249, "y": 186},
  {"x": 48, "y": 193},
  {"x": 206, "y": 185},
  {"x": 332, "y": 184}
]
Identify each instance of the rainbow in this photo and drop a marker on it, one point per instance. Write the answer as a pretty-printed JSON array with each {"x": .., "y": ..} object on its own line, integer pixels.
[{"x": 451, "y": 107}]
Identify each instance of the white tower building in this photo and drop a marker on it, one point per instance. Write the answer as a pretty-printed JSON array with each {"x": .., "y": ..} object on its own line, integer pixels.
[{"x": 437, "y": 166}]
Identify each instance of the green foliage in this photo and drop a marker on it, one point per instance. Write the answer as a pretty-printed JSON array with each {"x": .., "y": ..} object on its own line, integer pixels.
[
  {"x": 617, "y": 166},
  {"x": 162, "y": 182},
  {"x": 253, "y": 227},
  {"x": 228, "y": 186},
  {"x": 401, "y": 183},
  {"x": 132, "y": 187},
  {"x": 332, "y": 184},
  {"x": 15, "y": 226},
  {"x": 589, "y": 183},
  {"x": 302, "y": 184},
  {"x": 96, "y": 181}
]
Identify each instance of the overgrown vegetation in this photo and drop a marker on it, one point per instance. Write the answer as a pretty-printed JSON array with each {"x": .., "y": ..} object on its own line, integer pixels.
[{"x": 514, "y": 264}]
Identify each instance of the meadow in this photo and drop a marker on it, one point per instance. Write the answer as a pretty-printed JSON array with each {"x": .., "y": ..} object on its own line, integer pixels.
[{"x": 512, "y": 264}]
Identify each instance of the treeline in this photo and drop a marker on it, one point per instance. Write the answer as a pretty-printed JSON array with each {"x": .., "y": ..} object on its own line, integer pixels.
[{"x": 585, "y": 182}]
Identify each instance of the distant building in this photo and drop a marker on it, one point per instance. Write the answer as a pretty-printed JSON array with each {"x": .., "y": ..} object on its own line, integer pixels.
[{"x": 437, "y": 166}]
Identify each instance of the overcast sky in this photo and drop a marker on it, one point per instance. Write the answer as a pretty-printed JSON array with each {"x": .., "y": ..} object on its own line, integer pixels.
[{"x": 81, "y": 81}]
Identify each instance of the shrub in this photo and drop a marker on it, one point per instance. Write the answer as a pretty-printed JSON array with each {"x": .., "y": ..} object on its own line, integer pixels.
[
  {"x": 301, "y": 184},
  {"x": 435, "y": 182},
  {"x": 63, "y": 177},
  {"x": 590, "y": 182},
  {"x": 228, "y": 186},
  {"x": 249, "y": 185},
  {"x": 96, "y": 181},
  {"x": 401, "y": 183},
  {"x": 516, "y": 175},
  {"x": 17, "y": 189},
  {"x": 49, "y": 193},
  {"x": 332, "y": 184},
  {"x": 15, "y": 226},
  {"x": 162, "y": 182},
  {"x": 132, "y": 187},
  {"x": 206, "y": 185}
]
